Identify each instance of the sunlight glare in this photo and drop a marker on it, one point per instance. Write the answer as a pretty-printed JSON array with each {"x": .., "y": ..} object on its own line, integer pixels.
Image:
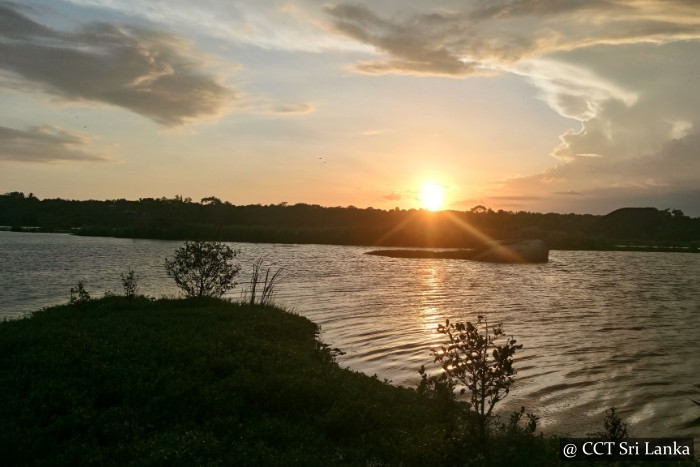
[{"x": 432, "y": 196}]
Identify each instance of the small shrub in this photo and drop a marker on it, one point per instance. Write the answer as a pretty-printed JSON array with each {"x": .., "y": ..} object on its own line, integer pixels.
[
  {"x": 514, "y": 422},
  {"x": 439, "y": 387},
  {"x": 203, "y": 269},
  {"x": 474, "y": 358},
  {"x": 129, "y": 283},
  {"x": 327, "y": 353},
  {"x": 78, "y": 295},
  {"x": 252, "y": 294},
  {"x": 615, "y": 428}
]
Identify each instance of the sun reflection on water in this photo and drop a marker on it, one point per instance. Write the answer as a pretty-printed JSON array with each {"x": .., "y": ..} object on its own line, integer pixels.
[{"x": 431, "y": 288}]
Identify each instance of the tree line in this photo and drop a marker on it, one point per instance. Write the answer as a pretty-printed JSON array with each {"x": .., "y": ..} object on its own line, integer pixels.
[{"x": 181, "y": 218}]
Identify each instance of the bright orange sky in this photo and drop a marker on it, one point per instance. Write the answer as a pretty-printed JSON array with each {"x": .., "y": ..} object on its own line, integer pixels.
[{"x": 527, "y": 105}]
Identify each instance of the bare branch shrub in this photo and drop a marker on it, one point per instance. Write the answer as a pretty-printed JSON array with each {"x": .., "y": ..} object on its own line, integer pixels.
[
  {"x": 78, "y": 295},
  {"x": 130, "y": 283},
  {"x": 252, "y": 294}
]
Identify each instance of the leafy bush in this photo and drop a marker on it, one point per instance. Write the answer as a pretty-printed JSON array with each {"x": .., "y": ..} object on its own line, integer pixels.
[
  {"x": 129, "y": 282},
  {"x": 203, "y": 269},
  {"x": 514, "y": 422},
  {"x": 78, "y": 295},
  {"x": 473, "y": 358},
  {"x": 615, "y": 428}
]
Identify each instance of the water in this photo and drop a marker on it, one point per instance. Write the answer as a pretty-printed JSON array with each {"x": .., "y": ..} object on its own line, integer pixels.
[{"x": 599, "y": 329}]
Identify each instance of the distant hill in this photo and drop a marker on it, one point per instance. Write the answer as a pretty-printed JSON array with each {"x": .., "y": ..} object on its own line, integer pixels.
[
  {"x": 631, "y": 222},
  {"x": 645, "y": 224}
]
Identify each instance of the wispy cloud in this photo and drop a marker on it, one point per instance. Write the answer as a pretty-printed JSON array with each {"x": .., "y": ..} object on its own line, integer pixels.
[
  {"x": 274, "y": 25},
  {"x": 419, "y": 45},
  {"x": 253, "y": 104},
  {"x": 568, "y": 193},
  {"x": 45, "y": 144},
  {"x": 625, "y": 71},
  {"x": 393, "y": 197},
  {"x": 466, "y": 42},
  {"x": 529, "y": 38},
  {"x": 659, "y": 178},
  {"x": 154, "y": 74},
  {"x": 374, "y": 132},
  {"x": 293, "y": 108}
]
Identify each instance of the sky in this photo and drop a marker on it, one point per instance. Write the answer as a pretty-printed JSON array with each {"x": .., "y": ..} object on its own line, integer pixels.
[{"x": 581, "y": 106}]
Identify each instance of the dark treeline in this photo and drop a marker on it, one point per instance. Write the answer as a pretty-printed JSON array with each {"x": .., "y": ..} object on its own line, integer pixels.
[{"x": 211, "y": 219}]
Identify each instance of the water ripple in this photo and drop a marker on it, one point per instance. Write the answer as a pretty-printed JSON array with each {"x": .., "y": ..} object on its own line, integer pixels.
[{"x": 599, "y": 329}]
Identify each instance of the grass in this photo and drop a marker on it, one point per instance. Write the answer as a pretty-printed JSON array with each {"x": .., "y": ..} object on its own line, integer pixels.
[
  {"x": 194, "y": 382},
  {"x": 207, "y": 382}
]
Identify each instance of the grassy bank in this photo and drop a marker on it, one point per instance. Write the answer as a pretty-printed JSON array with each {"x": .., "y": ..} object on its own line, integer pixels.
[
  {"x": 181, "y": 382},
  {"x": 207, "y": 382}
]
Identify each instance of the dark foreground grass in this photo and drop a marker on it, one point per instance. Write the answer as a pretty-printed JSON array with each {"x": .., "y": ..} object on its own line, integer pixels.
[
  {"x": 177, "y": 382},
  {"x": 207, "y": 382}
]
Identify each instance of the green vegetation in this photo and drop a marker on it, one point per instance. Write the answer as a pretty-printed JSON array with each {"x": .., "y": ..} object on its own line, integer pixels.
[
  {"x": 473, "y": 357},
  {"x": 78, "y": 295},
  {"x": 118, "y": 381},
  {"x": 180, "y": 218},
  {"x": 203, "y": 269},
  {"x": 188, "y": 382},
  {"x": 205, "y": 382},
  {"x": 615, "y": 427},
  {"x": 130, "y": 283},
  {"x": 260, "y": 290}
]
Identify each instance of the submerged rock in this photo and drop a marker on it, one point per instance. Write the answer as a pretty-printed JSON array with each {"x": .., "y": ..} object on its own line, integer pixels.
[{"x": 523, "y": 251}]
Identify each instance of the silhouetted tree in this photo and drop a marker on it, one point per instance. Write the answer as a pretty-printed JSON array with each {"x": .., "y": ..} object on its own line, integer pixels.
[
  {"x": 79, "y": 296},
  {"x": 203, "y": 268},
  {"x": 130, "y": 284},
  {"x": 475, "y": 359}
]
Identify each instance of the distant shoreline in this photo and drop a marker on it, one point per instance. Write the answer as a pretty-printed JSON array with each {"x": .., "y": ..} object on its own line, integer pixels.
[
  {"x": 390, "y": 251},
  {"x": 624, "y": 229}
]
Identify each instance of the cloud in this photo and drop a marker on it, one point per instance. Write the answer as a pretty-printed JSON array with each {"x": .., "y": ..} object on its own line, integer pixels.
[
  {"x": 153, "y": 74},
  {"x": 668, "y": 176},
  {"x": 293, "y": 108},
  {"x": 454, "y": 42},
  {"x": 624, "y": 72},
  {"x": 273, "y": 25},
  {"x": 567, "y": 193},
  {"x": 392, "y": 197},
  {"x": 516, "y": 198},
  {"x": 44, "y": 144},
  {"x": 374, "y": 132},
  {"x": 530, "y": 38},
  {"x": 256, "y": 104},
  {"x": 665, "y": 105},
  {"x": 420, "y": 45}
]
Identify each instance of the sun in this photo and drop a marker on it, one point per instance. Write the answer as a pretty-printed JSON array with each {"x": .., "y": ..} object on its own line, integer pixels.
[{"x": 431, "y": 196}]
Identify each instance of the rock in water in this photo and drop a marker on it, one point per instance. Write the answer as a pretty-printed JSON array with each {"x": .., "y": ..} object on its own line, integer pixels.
[{"x": 523, "y": 251}]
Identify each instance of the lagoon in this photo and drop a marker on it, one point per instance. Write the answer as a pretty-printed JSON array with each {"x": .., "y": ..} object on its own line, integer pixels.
[{"x": 599, "y": 329}]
